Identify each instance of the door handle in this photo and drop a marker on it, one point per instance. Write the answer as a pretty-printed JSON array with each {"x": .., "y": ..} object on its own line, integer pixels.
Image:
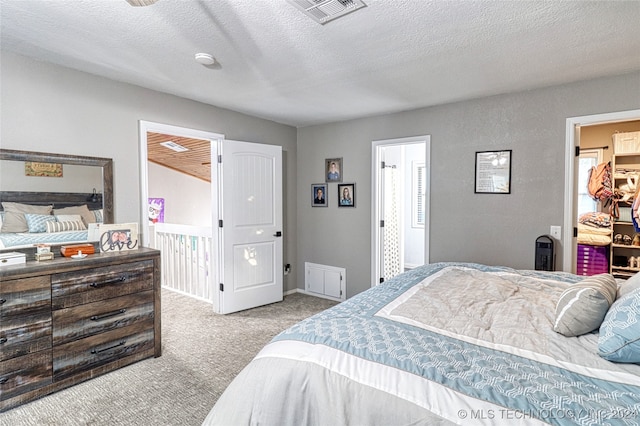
[{"x": 278, "y": 234}]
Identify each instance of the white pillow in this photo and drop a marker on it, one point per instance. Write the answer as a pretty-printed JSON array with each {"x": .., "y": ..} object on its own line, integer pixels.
[{"x": 68, "y": 218}]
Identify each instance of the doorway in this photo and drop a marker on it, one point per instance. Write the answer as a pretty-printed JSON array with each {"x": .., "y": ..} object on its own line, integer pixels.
[
  {"x": 243, "y": 249},
  {"x": 400, "y": 210},
  {"x": 574, "y": 128}
]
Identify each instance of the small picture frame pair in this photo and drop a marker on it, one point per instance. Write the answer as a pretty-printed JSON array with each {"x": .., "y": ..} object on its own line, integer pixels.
[{"x": 346, "y": 195}]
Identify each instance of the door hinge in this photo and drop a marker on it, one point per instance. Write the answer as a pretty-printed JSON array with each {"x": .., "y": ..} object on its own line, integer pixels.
[
  {"x": 220, "y": 158},
  {"x": 382, "y": 164},
  {"x": 575, "y": 232},
  {"x": 577, "y": 151},
  {"x": 340, "y": 277},
  {"x": 382, "y": 224},
  {"x": 381, "y": 280},
  {"x": 221, "y": 287},
  {"x": 220, "y": 223}
]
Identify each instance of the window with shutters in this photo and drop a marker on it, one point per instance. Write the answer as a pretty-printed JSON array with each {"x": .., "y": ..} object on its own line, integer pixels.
[{"x": 418, "y": 191}]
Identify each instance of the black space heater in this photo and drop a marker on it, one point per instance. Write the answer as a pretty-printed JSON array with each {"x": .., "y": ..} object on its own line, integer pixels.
[{"x": 545, "y": 255}]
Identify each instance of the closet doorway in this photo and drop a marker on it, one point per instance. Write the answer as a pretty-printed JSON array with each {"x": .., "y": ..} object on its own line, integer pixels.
[
  {"x": 400, "y": 210},
  {"x": 585, "y": 134}
]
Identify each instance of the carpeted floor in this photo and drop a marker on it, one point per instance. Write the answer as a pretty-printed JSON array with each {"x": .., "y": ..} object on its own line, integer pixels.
[{"x": 201, "y": 353}]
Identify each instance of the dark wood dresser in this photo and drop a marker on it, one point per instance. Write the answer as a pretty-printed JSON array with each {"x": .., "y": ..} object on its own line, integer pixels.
[{"x": 65, "y": 321}]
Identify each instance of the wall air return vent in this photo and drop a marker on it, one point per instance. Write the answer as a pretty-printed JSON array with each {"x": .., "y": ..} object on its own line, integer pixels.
[{"x": 323, "y": 11}]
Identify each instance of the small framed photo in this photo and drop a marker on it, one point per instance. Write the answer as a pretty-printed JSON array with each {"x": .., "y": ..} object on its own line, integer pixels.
[
  {"x": 493, "y": 172},
  {"x": 333, "y": 169},
  {"x": 347, "y": 195},
  {"x": 118, "y": 237},
  {"x": 319, "y": 195}
]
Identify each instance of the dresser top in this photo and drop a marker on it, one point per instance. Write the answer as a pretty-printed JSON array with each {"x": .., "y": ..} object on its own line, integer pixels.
[{"x": 64, "y": 264}]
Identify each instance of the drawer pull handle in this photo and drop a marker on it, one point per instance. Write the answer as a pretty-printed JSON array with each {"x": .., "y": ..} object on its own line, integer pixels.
[
  {"x": 3, "y": 380},
  {"x": 3, "y": 340},
  {"x": 114, "y": 281},
  {"x": 108, "y": 314},
  {"x": 97, "y": 351},
  {"x": 2, "y": 301}
]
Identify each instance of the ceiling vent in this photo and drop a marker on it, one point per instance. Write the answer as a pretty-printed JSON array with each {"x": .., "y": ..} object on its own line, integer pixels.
[
  {"x": 323, "y": 11},
  {"x": 174, "y": 146}
]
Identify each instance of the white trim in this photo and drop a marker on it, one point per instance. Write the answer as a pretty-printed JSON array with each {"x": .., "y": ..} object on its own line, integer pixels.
[
  {"x": 318, "y": 295},
  {"x": 375, "y": 194},
  {"x": 568, "y": 243}
]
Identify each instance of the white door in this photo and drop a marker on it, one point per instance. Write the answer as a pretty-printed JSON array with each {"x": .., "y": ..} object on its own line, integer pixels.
[{"x": 250, "y": 238}]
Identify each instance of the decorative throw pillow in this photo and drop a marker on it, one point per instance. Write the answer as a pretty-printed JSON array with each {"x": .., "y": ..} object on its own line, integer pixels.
[
  {"x": 629, "y": 285},
  {"x": 38, "y": 222},
  {"x": 99, "y": 215},
  {"x": 83, "y": 210},
  {"x": 77, "y": 225},
  {"x": 583, "y": 305},
  {"x": 619, "y": 339},
  {"x": 14, "y": 220},
  {"x": 68, "y": 218}
]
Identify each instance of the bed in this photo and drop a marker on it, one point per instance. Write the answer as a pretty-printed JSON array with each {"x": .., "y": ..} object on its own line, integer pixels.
[
  {"x": 29, "y": 218},
  {"x": 453, "y": 343}
]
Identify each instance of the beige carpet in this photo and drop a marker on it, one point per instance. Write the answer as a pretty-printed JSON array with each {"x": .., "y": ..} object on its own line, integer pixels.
[{"x": 202, "y": 353}]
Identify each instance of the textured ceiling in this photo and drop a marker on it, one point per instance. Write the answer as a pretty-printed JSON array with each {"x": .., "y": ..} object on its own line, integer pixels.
[{"x": 276, "y": 63}]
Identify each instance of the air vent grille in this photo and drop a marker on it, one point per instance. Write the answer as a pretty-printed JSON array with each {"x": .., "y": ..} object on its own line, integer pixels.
[
  {"x": 323, "y": 11},
  {"x": 174, "y": 146}
]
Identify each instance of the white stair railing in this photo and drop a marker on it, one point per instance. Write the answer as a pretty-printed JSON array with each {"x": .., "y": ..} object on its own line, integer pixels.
[{"x": 186, "y": 258}]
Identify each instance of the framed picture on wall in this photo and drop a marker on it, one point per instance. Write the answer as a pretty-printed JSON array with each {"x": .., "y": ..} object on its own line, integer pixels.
[
  {"x": 333, "y": 169},
  {"x": 319, "y": 195},
  {"x": 347, "y": 195},
  {"x": 493, "y": 172}
]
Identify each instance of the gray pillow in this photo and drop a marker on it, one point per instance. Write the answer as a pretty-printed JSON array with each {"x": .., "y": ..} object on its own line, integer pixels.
[
  {"x": 87, "y": 216},
  {"x": 629, "y": 285},
  {"x": 583, "y": 305},
  {"x": 14, "y": 220}
]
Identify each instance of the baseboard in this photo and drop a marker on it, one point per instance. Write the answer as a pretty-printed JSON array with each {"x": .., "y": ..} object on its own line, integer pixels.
[{"x": 320, "y": 296}]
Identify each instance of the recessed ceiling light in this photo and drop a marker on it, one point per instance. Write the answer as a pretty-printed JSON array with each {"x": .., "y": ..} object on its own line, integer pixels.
[{"x": 205, "y": 59}]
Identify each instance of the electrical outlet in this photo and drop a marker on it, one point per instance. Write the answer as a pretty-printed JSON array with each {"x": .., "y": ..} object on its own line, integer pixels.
[{"x": 556, "y": 232}]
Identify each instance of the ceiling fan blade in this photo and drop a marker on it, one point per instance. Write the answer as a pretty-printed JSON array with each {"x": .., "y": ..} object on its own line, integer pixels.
[{"x": 141, "y": 2}]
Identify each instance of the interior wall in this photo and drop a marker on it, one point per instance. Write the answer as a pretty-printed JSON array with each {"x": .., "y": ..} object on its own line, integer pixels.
[
  {"x": 45, "y": 107},
  {"x": 494, "y": 229},
  {"x": 601, "y": 135},
  {"x": 187, "y": 199}
]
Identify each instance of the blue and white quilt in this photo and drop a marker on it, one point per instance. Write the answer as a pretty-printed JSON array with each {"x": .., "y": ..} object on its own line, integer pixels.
[
  {"x": 26, "y": 239},
  {"x": 442, "y": 344}
]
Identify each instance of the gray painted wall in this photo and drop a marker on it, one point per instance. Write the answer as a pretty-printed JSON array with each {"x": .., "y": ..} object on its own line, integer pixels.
[
  {"x": 54, "y": 109},
  {"x": 49, "y": 108},
  {"x": 484, "y": 228}
]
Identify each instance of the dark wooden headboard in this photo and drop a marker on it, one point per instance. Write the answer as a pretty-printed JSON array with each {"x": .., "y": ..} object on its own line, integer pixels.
[{"x": 59, "y": 200}]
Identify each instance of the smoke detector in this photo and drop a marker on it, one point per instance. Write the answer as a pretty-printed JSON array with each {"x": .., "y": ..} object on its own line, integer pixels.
[{"x": 323, "y": 11}]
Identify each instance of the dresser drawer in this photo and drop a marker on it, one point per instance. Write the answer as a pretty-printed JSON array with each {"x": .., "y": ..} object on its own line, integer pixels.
[
  {"x": 97, "y": 317},
  {"x": 26, "y": 296},
  {"x": 25, "y": 373},
  {"x": 22, "y": 335},
  {"x": 91, "y": 352},
  {"x": 86, "y": 286}
]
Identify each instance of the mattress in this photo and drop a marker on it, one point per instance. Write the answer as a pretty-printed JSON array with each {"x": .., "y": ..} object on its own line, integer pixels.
[{"x": 447, "y": 343}]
